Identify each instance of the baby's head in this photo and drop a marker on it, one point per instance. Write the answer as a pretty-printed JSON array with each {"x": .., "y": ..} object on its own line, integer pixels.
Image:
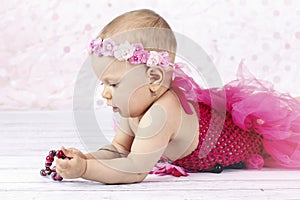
[
  {"x": 154, "y": 35},
  {"x": 142, "y": 26}
]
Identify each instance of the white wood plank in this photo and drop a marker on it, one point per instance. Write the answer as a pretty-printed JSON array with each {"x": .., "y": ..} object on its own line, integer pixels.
[
  {"x": 23, "y": 180},
  {"x": 66, "y": 116},
  {"x": 28, "y": 136},
  {"x": 176, "y": 190},
  {"x": 154, "y": 195}
]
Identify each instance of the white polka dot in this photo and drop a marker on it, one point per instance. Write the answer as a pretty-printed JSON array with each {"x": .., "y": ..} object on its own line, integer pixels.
[
  {"x": 297, "y": 34},
  {"x": 276, "y": 13}
]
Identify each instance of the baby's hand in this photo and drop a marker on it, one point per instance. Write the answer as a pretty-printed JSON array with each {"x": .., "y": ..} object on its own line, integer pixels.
[
  {"x": 73, "y": 168},
  {"x": 72, "y": 150}
]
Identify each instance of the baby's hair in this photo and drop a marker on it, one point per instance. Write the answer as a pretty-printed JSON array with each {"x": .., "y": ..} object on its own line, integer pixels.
[
  {"x": 134, "y": 19},
  {"x": 142, "y": 26}
]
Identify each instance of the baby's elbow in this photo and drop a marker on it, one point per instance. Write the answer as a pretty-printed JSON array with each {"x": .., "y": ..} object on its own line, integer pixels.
[
  {"x": 140, "y": 177},
  {"x": 127, "y": 179}
]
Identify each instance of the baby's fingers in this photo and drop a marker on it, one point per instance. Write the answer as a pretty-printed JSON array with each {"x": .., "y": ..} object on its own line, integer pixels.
[
  {"x": 66, "y": 151},
  {"x": 62, "y": 167},
  {"x": 62, "y": 164},
  {"x": 71, "y": 152}
]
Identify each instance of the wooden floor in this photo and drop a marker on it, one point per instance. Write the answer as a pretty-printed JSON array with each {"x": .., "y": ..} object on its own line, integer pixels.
[{"x": 28, "y": 136}]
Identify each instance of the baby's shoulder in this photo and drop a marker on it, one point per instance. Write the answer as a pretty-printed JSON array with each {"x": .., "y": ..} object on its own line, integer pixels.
[
  {"x": 173, "y": 107},
  {"x": 169, "y": 104},
  {"x": 169, "y": 101}
]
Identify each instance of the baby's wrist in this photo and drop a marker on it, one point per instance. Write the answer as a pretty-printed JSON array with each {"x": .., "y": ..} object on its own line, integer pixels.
[
  {"x": 85, "y": 168},
  {"x": 88, "y": 156}
]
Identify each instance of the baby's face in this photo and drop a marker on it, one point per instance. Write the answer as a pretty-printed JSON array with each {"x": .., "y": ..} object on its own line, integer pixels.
[{"x": 126, "y": 87}]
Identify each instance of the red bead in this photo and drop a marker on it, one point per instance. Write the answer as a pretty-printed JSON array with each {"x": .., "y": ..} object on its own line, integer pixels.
[
  {"x": 53, "y": 169},
  {"x": 52, "y": 153},
  {"x": 49, "y": 172},
  {"x": 49, "y": 159},
  {"x": 55, "y": 176},
  {"x": 58, "y": 177},
  {"x": 48, "y": 164},
  {"x": 43, "y": 172},
  {"x": 60, "y": 154}
]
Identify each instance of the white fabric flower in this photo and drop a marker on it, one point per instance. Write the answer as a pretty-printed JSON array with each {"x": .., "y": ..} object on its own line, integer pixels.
[
  {"x": 154, "y": 59},
  {"x": 124, "y": 51}
]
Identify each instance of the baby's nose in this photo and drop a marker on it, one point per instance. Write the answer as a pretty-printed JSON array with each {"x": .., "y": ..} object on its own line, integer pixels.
[{"x": 106, "y": 93}]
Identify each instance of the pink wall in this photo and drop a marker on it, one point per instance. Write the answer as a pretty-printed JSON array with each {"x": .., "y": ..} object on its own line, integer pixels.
[{"x": 43, "y": 43}]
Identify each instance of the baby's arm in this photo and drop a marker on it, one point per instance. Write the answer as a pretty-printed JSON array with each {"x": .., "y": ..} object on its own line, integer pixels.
[
  {"x": 152, "y": 137},
  {"x": 120, "y": 145},
  {"x": 76, "y": 167}
]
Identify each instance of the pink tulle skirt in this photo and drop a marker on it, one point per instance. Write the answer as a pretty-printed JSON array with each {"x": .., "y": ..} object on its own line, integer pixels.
[
  {"x": 255, "y": 105},
  {"x": 261, "y": 126}
]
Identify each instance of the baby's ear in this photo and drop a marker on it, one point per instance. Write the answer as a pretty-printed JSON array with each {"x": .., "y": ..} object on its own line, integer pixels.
[{"x": 156, "y": 77}]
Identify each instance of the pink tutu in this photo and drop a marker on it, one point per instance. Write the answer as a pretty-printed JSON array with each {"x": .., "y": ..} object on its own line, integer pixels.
[
  {"x": 261, "y": 126},
  {"x": 255, "y": 105}
]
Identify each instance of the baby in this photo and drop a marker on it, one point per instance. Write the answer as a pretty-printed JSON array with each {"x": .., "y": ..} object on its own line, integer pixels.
[{"x": 166, "y": 115}]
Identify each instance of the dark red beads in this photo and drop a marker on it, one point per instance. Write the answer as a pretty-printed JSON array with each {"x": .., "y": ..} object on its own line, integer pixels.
[
  {"x": 52, "y": 153},
  {"x": 56, "y": 177},
  {"x": 43, "y": 172},
  {"x": 48, "y": 164},
  {"x": 60, "y": 154},
  {"x": 49, "y": 160}
]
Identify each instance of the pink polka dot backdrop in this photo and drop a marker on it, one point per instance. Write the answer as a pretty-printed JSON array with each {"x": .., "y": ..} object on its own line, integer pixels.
[{"x": 43, "y": 43}]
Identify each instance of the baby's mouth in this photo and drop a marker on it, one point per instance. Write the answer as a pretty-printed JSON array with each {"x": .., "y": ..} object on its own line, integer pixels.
[{"x": 116, "y": 109}]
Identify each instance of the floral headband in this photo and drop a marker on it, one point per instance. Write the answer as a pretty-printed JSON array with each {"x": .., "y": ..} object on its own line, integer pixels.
[
  {"x": 184, "y": 85},
  {"x": 133, "y": 53}
]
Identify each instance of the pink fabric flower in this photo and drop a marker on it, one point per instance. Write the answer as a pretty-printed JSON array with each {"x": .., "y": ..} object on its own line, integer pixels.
[
  {"x": 139, "y": 57},
  {"x": 164, "y": 59},
  {"x": 95, "y": 46},
  {"x": 137, "y": 54},
  {"x": 138, "y": 47},
  {"x": 108, "y": 47},
  {"x": 164, "y": 168},
  {"x": 124, "y": 51},
  {"x": 144, "y": 56},
  {"x": 135, "y": 59},
  {"x": 255, "y": 162}
]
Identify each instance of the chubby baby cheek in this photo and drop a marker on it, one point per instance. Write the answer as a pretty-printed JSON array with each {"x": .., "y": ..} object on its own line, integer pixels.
[
  {"x": 137, "y": 105},
  {"x": 121, "y": 100},
  {"x": 130, "y": 90},
  {"x": 130, "y": 101}
]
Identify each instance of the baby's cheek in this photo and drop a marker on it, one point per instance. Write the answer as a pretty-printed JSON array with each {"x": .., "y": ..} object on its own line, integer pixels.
[
  {"x": 139, "y": 101},
  {"x": 121, "y": 99},
  {"x": 129, "y": 92},
  {"x": 125, "y": 99}
]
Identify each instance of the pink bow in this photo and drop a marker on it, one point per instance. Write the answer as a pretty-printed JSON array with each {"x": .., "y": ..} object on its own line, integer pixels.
[
  {"x": 185, "y": 87},
  {"x": 163, "y": 167}
]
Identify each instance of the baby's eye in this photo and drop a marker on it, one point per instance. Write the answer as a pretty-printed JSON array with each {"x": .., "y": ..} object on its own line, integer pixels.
[{"x": 113, "y": 84}]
